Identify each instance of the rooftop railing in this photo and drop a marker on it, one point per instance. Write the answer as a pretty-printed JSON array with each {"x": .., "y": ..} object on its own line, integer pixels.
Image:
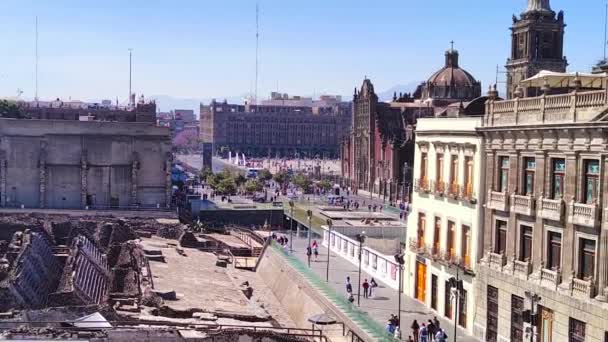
[{"x": 577, "y": 106}]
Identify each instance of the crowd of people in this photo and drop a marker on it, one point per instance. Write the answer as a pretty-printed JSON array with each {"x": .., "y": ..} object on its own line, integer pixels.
[{"x": 427, "y": 332}]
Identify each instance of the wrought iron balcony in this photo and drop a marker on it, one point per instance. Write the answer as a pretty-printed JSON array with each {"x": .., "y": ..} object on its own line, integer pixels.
[
  {"x": 467, "y": 194},
  {"x": 418, "y": 247},
  {"x": 523, "y": 205},
  {"x": 498, "y": 201},
  {"x": 584, "y": 214},
  {"x": 422, "y": 185},
  {"x": 551, "y": 209},
  {"x": 583, "y": 288},
  {"x": 522, "y": 269},
  {"x": 550, "y": 278},
  {"x": 454, "y": 190},
  {"x": 439, "y": 188}
]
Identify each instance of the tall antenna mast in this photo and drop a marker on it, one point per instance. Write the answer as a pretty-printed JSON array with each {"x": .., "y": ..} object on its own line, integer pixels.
[
  {"x": 130, "y": 77},
  {"x": 605, "y": 31},
  {"x": 257, "y": 48},
  {"x": 36, "y": 72}
]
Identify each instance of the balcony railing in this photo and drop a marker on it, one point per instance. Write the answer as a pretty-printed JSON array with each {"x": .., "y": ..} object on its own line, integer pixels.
[
  {"x": 551, "y": 209},
  {"x": 417, "y": 246},
  {"x": 497, "y": 260},
  {"x": 466, "y": 193},
  {"x": 550, "y": 278},
  {"x": 421, "y": 185},
  {"x": 454, "y": 190},
  {"x": 584, "y": 214},
  {"x": 522, "y": 269},
  {"x": 522, "y": 205},
  {"x": 583, "y": 288},
  {"x": 498, "y": 201},
  {"x": 439, "y": 188},
  {"x": 572, "y": 107}
]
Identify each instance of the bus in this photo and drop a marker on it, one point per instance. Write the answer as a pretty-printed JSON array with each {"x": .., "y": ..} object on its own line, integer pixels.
[{"x": 252, "y": 172}]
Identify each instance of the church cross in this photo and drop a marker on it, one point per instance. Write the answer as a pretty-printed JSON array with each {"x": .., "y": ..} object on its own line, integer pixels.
[{"x": 452, "y": 42}]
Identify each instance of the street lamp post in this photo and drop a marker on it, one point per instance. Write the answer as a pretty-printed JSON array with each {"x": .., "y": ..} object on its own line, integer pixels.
[
  {"x": 401, "y": 261},
  {"x": 309, "y": 214},
  {"x": 329, "y": 224},
  {"x": 457, "y": 287},
  {"x": 534, "y": 300},
  {"x": 361, "y": 239},
  {"x": 291, "y": 204},
  {"x": 405, "y": 188}
]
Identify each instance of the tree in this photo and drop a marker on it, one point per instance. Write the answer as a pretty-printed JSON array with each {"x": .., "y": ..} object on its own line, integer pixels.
[
  {"x": 205, "y": 174},
  {"x": 324, "y": 185},
  {"x": 302, "y": 181},
  {"x": 264, "y": 175},
  {"x": 253, "y": 185},
  {"x": 226, "y": 186},
  {"x": 9, "y": 109},
  {"x": 240, "y": 180},
  {"x": 281, "y": 177}
]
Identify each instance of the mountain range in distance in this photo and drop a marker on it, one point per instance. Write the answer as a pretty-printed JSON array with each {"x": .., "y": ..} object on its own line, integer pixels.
[{"x": 166, "y": 103}]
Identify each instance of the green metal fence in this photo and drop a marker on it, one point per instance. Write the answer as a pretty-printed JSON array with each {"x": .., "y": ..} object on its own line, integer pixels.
[{"x": 361, "y": 318}]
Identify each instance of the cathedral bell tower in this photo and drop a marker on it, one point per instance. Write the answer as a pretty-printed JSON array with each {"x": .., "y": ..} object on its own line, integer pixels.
[{"x": 537, "y": 43}]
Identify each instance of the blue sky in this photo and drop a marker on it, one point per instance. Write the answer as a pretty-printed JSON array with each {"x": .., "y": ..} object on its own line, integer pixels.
[{"x": 204, "y": 49}]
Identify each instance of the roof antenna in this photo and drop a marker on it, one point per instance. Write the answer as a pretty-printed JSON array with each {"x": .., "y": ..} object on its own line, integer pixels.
[
  {"x": 605, "y": 31},
  {"x": 257, "y": 48},
  {"x": 36, "y": 91}
]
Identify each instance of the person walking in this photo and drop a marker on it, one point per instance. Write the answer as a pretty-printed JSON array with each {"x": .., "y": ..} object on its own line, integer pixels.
[
  {"x": 390, "y": 328},
  {"x": 315, "y": 249},
  {"x": 436, "y": 323},
  {"x": 372, "y": 286},
  {"x": 365, "y": 289},
  {"x": 415, "y": 327},
  {"x": 308, "y": 253},
  {"x": 432, "y": 330},
  {"x": 398, "y": 333},
  {"x": 441, "y": 336},
  {"x": 349, "y": 286},
  {"x": 424, "y": 333}
]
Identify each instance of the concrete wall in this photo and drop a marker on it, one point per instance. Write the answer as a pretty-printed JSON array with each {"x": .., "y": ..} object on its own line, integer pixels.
[{"x": 65, "y": 164}]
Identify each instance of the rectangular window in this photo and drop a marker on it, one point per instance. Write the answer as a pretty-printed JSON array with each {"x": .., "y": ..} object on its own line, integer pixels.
[
  {"x": 500, "y": 243},
  {"x": 421, "y": 229},
  {"x": 448, "y": 301},
  {"x": 492, "y": 314},
  {"x": 503, "y": 174},
  {"x": 468, "y": 177},
  {"x": 525, "y": 246},
  {"x": 423, "y": 166},
  {"x": 557, "y": 178},
  {"x": 586, "y": 262},
  {"x": 451, "y": 240},
  {"x": 454, "y": 175},
  {"x": 374, "y": 261},
  {"x": 517, "y": 319},
  {"x": 466, "y": 246},
  {"x": 439, "y": 175},
  {"x": 366, "y": 257},
  {"x": 437, "y": 236},
  {"x": 462, "y": 309},
  {"x": 592, "y": 181},
  {"x": 554, "y": 251},
  {"x": 529, "y": 173},
  {"x": 576, "y": 330},
  {"x": 434, "y": 284}
]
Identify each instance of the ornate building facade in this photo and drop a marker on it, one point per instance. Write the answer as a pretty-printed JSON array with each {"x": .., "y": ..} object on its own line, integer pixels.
[
  {"x": 537, "y": 43},
  {"x": 544, "y": 271},
  {"x": 378, "y": 155}
]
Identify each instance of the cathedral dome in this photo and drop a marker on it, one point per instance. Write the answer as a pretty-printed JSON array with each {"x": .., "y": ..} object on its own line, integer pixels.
[{"x": 451, "y": 81}]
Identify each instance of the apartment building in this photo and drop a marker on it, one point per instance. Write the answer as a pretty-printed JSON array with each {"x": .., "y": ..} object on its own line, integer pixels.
[{"x": 443, "y": 230}]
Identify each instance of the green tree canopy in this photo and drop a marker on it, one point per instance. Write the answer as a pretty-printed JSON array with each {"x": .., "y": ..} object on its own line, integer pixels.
[
  {"x": 240, "y": 180},
  {"x": 9, "y": 109},
  {"x": 281, "y": 177},
  {"x": 264, "y": 175},
  {"x": 205, "y": 174},
  {"x": 226, "y": 186},
  {"x": 253, "y": 185},
  {"x": 302, "y": 181},
  {"x": 324, "y": 185}
]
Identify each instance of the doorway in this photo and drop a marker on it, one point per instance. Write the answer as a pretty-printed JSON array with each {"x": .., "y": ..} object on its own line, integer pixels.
[
  {"x": 420, "y": 281},
  {"x": 545, "y": 324}
]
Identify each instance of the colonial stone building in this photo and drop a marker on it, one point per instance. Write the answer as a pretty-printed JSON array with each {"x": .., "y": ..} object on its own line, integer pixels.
[
  {"x": 537, "y": 43},
  {"x": 445, "y": 223},
  {"x": 269, "y": 130},
  {"x": 380, "y": 147}
]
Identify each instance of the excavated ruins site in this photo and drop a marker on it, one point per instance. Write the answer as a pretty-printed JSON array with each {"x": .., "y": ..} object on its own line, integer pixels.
[{"x": 73, "y": 277}]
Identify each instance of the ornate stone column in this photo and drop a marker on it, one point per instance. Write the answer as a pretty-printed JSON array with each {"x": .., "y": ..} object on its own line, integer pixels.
[
  {"x": 603, "y": 262},
  {"x": 83, "y": 178},
  {"x": 168, "y": 165},
  {"x": 42, "y": 171},
  {"x": 134, "y": 172}
]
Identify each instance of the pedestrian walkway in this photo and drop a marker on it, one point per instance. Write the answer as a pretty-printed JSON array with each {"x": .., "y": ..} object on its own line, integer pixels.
[{"x": 384, "y": 301}]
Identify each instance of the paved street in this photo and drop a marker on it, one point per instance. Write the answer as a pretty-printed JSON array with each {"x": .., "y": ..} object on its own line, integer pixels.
[{"x": 385, "y": 301}]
